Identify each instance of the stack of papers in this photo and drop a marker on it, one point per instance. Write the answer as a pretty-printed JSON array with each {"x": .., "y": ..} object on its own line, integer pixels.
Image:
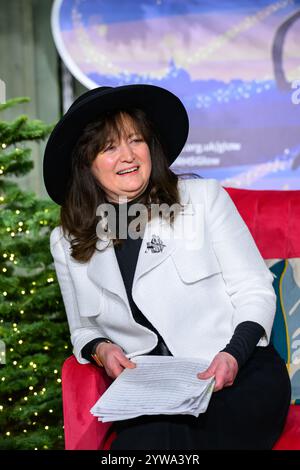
[{"x": 157, "y": 385}]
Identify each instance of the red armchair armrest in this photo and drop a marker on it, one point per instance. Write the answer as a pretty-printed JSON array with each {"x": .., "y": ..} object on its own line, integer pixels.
[{"x": 82, "y": 385}]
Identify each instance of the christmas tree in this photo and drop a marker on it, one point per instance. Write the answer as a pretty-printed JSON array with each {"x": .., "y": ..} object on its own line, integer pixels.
[{"x": 33, "y": 329}]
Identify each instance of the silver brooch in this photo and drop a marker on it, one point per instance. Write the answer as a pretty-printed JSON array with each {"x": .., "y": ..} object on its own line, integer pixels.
[{"x": 156, "y": 245}]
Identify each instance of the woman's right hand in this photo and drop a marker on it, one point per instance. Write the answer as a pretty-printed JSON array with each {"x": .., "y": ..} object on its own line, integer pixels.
[{"x": 113, "y": 359}]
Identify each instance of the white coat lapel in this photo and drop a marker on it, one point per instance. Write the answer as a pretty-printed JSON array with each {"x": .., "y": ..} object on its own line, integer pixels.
[
  {"x": 159, "y": 239},
  {"x": 104, "y": 271},
  {"x": 156, "y": 246},
  {"x": 103, "y": 268},
  {"x": 158, "y": 243}
]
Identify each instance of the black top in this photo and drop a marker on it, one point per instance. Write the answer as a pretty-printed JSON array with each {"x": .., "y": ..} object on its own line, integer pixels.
[{"x": 243, "y": 341}]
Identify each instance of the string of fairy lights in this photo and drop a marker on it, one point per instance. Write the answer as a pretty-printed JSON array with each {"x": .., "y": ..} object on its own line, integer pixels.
[
  {"x": 102, "y": 60},
  {"x": 31, "y": 389},
  {"x": 234, "y": 91},
  {"x": 12, "y": 258},
  {"x": 34, "y": 392}
]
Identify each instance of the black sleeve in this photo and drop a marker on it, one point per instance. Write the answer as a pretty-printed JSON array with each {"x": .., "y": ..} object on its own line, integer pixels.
[
  {"x": 243, "y": 342},
  {"x": 90, "y": 348}
]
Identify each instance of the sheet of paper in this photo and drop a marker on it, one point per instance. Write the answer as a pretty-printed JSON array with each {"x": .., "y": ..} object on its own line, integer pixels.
[{"x": 158, "y": 385}]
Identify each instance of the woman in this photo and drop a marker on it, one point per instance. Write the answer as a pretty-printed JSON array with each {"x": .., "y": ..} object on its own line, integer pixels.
[{"x": 188, "y": 281}]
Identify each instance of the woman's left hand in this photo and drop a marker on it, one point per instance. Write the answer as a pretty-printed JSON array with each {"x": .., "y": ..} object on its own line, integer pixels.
[{"x": 224, "y": 367}]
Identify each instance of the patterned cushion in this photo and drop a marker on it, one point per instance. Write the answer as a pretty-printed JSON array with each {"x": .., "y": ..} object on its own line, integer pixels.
[{"x": 286, "y": 329}]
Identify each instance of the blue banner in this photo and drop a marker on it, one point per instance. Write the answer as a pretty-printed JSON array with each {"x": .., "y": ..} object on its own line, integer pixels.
[{"x": 235, "y": 66}]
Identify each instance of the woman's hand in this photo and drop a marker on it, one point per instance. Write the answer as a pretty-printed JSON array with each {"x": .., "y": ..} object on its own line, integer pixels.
[
  {"x": 113, "y": 359},
  {"x": 224, "y": 367}
]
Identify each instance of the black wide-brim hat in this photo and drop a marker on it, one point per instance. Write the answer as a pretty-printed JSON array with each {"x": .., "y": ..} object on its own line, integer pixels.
[{"x": 164, "y": 109}]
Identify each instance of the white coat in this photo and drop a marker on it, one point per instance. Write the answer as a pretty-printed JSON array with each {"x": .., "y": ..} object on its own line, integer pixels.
[{"x": 194, "y": 291}]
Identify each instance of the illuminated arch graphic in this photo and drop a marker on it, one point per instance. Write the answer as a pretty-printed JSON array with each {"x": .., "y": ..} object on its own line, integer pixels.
[{"x": 277, "y": 51}]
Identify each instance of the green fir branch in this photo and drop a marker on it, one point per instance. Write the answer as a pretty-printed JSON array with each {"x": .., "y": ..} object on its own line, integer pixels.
[
  {"x": 33, "y": 322},
  {"x": 13, "y": 102}
]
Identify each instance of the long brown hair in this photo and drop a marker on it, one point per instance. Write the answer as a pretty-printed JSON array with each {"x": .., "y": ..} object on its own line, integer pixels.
[{"x": 84, "y": 194}]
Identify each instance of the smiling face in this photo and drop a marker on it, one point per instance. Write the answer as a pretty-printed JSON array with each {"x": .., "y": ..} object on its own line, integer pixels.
[{"x": 125, "y": 149}]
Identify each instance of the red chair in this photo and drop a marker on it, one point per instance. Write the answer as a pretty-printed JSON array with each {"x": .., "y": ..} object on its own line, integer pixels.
[{"x": 273, "y": 217}]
